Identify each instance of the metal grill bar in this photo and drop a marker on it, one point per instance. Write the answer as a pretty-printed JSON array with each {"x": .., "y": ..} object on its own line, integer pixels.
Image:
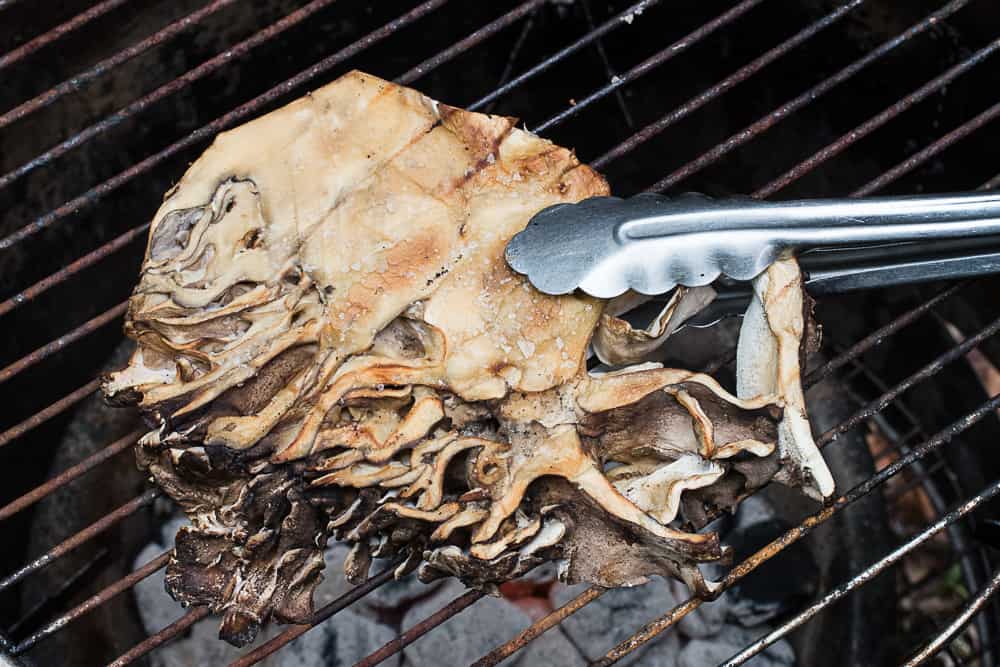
[
  {"x": 750, "y": 564},
  {"x": 93, "y": 602},
  {"x": 662, "y": 56},
  {"x": 620, "y": 19},
  {"x": 323, "y": 614},
  {"x": 785, "y": 110},
  {"x": 423, "y": 627},
  {"x": 895, "y": 495},
  {"x": 924, "y": 373},
  {"x": 58, "y": 344},
  {"x": 881, "y": 334},
  {"x": 68, "y": 475},
  {"x": 515, "y": 51},
  {"x": 77, "y": 82},
  {"x": 609, "y": 71},
  {"x": 864, "y": 576},
  {"x": 78, "y": 21},
  {"x": 917, "y": 159},
  {"x": 88, "y": 533},
  {"x": 877, "y": 121},
  {"x": 221, "y": 123},
  {"x": 161, "y": 637},
  {"x": 40, "y": 417},
  {"x": 72, "y": 269},
  {"x": 991, "y": 184},
  {"x": 65, "y": 585},
  {"x": 539, "y": 627},
  {"x": 958, "y": 535},
  {"x": 179, "y": 83},
  {"x": 968, "y": 558},
  {"x": 911, "y": 588},
  {"x": 960, "y": 621},
  {"x": 468, "y": 42},
  {"x": 737, "y": 77}
]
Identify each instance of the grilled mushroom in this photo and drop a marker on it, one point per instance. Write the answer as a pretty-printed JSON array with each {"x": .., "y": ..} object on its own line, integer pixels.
[{"x": 329, "y": 343}]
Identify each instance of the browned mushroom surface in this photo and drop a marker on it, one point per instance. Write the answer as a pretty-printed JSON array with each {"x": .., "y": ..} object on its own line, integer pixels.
[{"x": 330, "y": 345}]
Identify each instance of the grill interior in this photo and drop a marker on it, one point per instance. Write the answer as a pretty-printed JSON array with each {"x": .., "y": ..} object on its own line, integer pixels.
[{"x": 103, "y": 105}]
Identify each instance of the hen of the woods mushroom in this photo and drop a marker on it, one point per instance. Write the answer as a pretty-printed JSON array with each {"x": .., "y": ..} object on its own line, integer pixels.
[{"x": 330, "y": 345}]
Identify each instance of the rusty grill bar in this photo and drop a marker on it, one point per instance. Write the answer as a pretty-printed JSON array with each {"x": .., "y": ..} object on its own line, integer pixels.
[
  {"x": 909, "y": 456},
  {"x": 53, "y": 35},
  {"x": 75, "y": 83}
]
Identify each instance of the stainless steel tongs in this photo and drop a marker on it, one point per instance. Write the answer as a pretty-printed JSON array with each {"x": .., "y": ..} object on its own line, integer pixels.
[{"x": 650, "y": 243}]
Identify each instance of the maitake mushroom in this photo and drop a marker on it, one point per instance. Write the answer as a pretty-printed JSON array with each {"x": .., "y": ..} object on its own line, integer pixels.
[{"x": 331, "y": 344}]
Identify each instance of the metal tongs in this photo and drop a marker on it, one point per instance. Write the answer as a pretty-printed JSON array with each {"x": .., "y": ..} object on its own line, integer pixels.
[{"x": 651, "y": 243}]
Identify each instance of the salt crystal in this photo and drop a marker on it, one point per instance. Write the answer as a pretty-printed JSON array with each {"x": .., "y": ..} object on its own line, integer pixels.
[
  {"x": 356, "y": 266},
  {"x": 628, "y": 18},
  {"x": 526, "y": 346},
  {"x": 559, "y": 343}
]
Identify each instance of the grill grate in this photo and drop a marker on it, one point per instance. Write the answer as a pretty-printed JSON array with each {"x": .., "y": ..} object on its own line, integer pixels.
[{"x": 921, "y": 461}]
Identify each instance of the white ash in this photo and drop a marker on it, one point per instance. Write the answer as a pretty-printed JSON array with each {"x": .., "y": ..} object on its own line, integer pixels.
[
  {"x": 615, "y": 616},
  {"x": 479, "y": 629}
]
